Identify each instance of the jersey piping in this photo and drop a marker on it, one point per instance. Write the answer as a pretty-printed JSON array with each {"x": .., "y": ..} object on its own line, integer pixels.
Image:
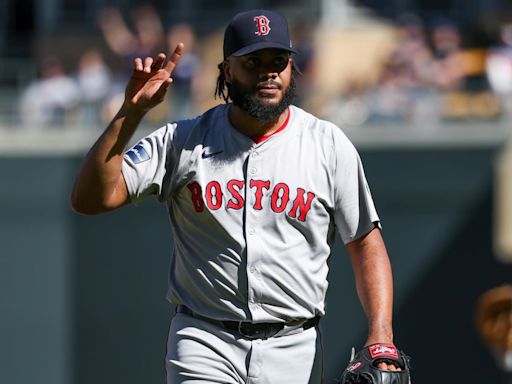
[{"x": 259, "y": 139}]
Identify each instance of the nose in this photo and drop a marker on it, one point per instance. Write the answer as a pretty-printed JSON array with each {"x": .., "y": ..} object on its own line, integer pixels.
[{"x": 265, "y": 75}]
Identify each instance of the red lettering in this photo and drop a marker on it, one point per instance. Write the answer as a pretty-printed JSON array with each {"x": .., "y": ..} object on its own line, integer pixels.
[
  {"x": 280, "y": 197},
  {"x": 278, "y": 200},
  {"x": 237, "y": 201},
  {"x": 213, "y": 192},
  {"x": 301, "y": 205},
  {"x": 259, "y": 184},
  {"x": 196, "y": 196}
]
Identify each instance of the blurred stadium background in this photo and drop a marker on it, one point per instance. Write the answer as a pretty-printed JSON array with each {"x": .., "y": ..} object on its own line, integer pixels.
[{"x": 423, "y": 88}]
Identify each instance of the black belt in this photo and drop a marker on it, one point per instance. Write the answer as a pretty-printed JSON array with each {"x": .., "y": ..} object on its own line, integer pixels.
[{"x": 246, "y": 328}]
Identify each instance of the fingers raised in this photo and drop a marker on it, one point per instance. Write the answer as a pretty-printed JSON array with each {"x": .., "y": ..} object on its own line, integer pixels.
[
  {"x": 137, "y": 64},
  {"x": 159, "y": 61},
  {"x": 175, "y": 57},
  {"x": 148, "y": 62}
]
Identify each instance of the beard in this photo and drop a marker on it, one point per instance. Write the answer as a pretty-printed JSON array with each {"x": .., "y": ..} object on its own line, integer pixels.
[{"x": 244, "y": 98}]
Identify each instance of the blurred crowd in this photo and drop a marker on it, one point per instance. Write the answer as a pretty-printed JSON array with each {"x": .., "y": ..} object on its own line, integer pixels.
[
  {"x": 90, "y": 95},
  {"x": 435, "y": 74},
  {"x": 429, "y": 74}
]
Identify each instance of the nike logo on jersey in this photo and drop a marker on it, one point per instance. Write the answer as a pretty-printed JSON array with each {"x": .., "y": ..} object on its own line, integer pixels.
[
  {"x": 206, "y": 155},
  {"x": 280, "y": 199}
]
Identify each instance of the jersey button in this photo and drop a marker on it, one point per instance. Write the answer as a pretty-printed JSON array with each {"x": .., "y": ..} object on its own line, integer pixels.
[
  {"x": 253, "y": 171},
  {"x": 252, "y": 231}
]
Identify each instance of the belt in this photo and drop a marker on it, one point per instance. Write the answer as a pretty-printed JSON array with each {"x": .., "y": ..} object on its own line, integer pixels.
[{"x": 246, "y": 328}]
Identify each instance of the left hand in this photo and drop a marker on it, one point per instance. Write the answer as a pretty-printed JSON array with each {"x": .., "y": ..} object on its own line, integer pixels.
[
  {"x": 388, "y": 367},
  {"x": 378, "y": 363}
]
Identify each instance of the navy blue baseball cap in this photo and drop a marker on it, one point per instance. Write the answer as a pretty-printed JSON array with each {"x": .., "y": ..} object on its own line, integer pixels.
[{"x": 254, "y": 30}]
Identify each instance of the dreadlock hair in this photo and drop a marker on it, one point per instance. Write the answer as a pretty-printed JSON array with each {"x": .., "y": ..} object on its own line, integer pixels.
[{"x": 221, "y": 90}]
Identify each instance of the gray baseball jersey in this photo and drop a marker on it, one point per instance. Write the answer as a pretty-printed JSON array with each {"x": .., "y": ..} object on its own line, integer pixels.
[{"x": 253, "y": 220}]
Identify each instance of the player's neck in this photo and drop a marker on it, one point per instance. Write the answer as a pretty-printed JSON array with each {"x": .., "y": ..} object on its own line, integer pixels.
[{"x": 252, "y": 127}]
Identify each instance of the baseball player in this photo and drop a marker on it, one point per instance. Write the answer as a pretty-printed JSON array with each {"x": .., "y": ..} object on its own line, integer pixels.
[{"x": 256, "y": 189}]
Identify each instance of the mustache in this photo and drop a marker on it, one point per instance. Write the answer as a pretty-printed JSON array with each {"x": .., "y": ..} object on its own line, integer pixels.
[{"x": 268, "y": 83}]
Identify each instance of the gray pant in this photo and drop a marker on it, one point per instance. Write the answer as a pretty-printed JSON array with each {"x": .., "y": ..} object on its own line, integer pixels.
[{"x": 199, "y": 352}]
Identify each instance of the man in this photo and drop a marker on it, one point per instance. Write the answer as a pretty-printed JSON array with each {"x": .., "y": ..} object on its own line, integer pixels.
[
  {"x": 494, "y": 324},
  {"x": 255, "y": 190}
]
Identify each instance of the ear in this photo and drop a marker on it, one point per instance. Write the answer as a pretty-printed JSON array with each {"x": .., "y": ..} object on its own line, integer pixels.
[{"x": 226, "y": 67}]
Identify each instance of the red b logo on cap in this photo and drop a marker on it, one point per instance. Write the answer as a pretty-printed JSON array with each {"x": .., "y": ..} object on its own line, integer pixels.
[{"x": 263, "y": 25}]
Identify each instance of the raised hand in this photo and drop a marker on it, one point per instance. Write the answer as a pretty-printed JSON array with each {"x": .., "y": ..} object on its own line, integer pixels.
[{"x": 150, "y": 79}]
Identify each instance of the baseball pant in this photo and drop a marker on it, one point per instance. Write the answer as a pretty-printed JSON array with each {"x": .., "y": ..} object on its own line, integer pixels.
[{"x": 200, "y": 352}]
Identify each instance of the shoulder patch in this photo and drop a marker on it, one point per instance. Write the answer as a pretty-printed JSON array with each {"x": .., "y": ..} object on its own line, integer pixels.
[{"x": 138, "y": 154}]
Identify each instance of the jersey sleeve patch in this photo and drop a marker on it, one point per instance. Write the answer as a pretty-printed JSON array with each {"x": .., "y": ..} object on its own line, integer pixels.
[{"x": 138, "y": 154}]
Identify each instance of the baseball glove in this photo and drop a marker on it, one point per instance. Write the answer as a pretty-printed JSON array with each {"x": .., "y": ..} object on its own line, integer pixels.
[{"x": 362, "y": 368}]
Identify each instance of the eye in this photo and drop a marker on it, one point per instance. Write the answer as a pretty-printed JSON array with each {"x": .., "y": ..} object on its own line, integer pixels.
[
  {"x": 281, "y": 62},
  {"x": 252, "y": 62}
]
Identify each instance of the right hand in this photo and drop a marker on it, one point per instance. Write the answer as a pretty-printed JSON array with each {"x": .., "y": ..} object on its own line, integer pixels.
[{"x": 149, "y": 81}]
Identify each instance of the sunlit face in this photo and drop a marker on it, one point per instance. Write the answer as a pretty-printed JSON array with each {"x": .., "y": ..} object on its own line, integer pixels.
[{"x": 261, "y": 83}]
